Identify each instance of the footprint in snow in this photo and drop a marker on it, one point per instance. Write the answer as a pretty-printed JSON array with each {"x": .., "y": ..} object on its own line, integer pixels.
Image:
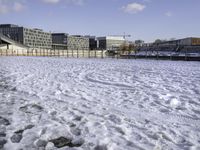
[
  {"x": 31, "y": 108},
  {"x": 17, "y": 136},
  {"x": 4, "y": 121}
]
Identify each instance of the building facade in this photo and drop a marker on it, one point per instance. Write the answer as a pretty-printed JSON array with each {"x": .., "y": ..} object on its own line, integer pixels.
[
  {"x": 64, "y": 41},
  {"x": 7, "y": 43},
  {"x": 190, "y": 41},
  {"x": 92, "y": 42},
  {"x": 59, "y": 38},
  {"x": 59, "y": 41},
  {"x": 33, "y": 38},
  {"x": 77, "y": 42},
  {"x": 110, "y": 42},
  {"x": 185, "y": 45}
]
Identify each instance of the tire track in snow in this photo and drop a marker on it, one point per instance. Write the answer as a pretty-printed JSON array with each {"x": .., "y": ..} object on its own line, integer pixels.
[
  {"x": 90, "y": 79},
  {"x": 164, "y": 117}
]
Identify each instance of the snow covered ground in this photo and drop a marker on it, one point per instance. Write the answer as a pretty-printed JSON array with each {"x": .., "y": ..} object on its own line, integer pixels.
[{"x": 100, "y": 104}]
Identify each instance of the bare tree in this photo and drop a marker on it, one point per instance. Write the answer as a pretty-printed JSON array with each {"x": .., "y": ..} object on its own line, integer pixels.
[{"x": 127, "y": 48}]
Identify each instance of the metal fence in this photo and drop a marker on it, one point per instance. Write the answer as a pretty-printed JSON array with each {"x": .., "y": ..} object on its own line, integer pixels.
[
  {"x": 55, "y": 53},
  {"x": 101, "y": 54}
]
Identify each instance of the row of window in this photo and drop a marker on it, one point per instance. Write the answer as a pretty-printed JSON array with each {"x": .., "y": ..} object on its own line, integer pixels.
[
  {"x": 30, "y": 31},
  {"x": 38, "y": 41},
  {"x": 36, "y": 45},
  {"x": 10, "y": 30},
  {"x": 37, "y": 36}
]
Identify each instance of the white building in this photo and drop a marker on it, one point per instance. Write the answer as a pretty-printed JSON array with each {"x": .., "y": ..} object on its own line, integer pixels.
[{"x": 110, "y": 42}]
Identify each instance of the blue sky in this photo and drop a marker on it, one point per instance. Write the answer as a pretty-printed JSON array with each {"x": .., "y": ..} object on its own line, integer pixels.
[{"x": 143, "y": 19}]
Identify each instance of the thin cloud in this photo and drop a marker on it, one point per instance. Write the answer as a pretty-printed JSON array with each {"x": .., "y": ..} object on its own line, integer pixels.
[
  {"x": 75, "y": 2},
  {"x": 3, "y": 9},
  {"x": 147, "y": 1},
  {"x": 133, "y": 8},
  {"x": 18, "y": 7},
  {"x": 11, "y": 6},
  {"x": 51, "y": 1},
  {"x": 169, "y": 14}
]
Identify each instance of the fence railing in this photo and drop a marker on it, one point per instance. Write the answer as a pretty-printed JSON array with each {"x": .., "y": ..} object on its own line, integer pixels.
[
  {"x": 55, "y": 53},
  {"x": 100, "y": 54}
]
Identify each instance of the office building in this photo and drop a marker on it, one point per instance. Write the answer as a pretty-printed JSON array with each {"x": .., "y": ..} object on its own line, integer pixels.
[
  {"x": 59, "y": 41},
  {"x": 33, "y": 38},
  {"x": 71, "y": 42},
  {"x": 190, "y": 41},
  {"x": 7, "y": 43},
  {"x": 78, "y": 42},
  {"x": 110, "y": 42},
  {"x": 92, "y": 42}
]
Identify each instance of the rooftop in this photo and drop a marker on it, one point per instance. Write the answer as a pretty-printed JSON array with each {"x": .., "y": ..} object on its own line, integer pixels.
[
  {"x": 66, "y": 34},
  {"x": 8, "y": 25},
  {"x": 120, "y": 38}
]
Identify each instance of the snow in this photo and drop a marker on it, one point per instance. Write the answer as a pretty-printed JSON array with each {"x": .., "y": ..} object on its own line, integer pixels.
[{"x": 99, "y": 104}]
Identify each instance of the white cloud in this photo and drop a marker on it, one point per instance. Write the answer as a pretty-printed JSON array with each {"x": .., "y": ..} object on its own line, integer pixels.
[
  {"x": 133, "y": 8},
  {"x": 51, "y": 1},
  {"x": 3, "y": 9},
  {"x": 18, "y": 7},
  {"x": 75, "y": 2},
  {"x": 11, "y": 6},
  {"x": 168, "y": 14},
  {"x": 147, "y": 1}
]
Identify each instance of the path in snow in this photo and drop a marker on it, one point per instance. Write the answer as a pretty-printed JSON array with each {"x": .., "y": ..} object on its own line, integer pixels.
[{"x": 99, "y": 104}]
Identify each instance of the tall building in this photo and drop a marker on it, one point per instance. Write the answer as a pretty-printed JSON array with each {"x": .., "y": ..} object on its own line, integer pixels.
[
  {"x": 78, "y": 42},
  {"x": 92, "y": 42},
  {"x": 59, "y": 41},
  {"x": 110, "y": 42},
  {"x": 33, "y": 38},
  {"x": 75, "y": 42},
  {"x": 59, "y": 38}
]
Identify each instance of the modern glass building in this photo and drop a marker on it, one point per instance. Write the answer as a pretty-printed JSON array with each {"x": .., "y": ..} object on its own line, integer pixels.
[
  {"x": 92, "y": 42},
  {"x": 110, "y": 42},
  {"x": 75, "y": 42},
  {"x": 33, "y": 38}
]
